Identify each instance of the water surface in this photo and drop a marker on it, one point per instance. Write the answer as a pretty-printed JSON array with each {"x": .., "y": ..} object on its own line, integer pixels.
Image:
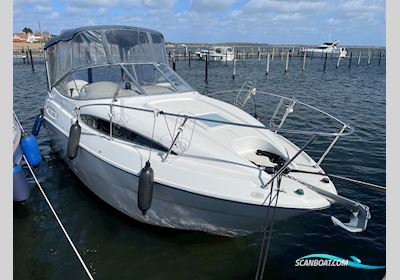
[{"x": 117, "y": 247}]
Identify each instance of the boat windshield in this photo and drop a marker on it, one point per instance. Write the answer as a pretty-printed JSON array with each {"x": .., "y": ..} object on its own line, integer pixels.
[{"x": 122, "y": 80}]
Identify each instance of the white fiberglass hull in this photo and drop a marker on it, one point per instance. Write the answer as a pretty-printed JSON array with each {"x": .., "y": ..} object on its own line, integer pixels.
[
  {"x": 335, "y": 52},
  {"x": 171, "y": 207},
  {"x": 219, "y": 57}
]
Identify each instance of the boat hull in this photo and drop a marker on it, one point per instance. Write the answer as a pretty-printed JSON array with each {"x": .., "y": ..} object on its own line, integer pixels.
[{"x": 171, "y": 207}]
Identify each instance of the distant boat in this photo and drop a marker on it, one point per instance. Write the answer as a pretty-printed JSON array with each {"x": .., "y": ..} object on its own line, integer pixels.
[
  {"x": 330, "y": 48},
  {"x": 220, "y": 53},
  {"x": 201, "y": 53}
]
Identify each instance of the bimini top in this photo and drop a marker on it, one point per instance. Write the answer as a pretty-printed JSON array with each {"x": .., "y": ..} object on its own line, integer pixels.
[{"x": 90, "y": 46}]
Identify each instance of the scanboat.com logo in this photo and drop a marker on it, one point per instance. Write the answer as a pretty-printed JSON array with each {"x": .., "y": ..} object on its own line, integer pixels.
[{"x": 329, "y": 260}]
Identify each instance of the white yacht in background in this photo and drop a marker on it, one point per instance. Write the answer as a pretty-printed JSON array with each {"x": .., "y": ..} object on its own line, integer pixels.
[
  {"x": 144, "y": 141},
  {"x": 220, "y": 53},
  {"x": 201, "y": 53},
  {"x": 329, "y": 48}
]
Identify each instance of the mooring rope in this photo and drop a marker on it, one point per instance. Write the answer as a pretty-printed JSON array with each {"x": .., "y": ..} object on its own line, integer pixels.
[
  {"x": 264, "y": 253},
  {"x": 358, "y": 181},
  {"x": 54, "y": 212},
  {"x": 342, "y": 178}
]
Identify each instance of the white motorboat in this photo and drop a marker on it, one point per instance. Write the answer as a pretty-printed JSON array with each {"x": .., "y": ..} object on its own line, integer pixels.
[
  {"x": 328, "y": 48},
  {"x": 139, "y": 137},
  {"x": 201, "y": 53},
  {"x": 220, "y": 53}
]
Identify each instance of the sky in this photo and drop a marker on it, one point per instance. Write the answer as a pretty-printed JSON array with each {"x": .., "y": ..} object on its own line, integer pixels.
[{"x": 352, "y": 22}]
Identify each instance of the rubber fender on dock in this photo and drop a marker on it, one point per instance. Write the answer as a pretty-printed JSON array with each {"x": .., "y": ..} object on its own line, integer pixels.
[
  {"x": 30, "y": 148},
  {"x": 21, "y": 189},
  {"x": 37, "y": 124}
]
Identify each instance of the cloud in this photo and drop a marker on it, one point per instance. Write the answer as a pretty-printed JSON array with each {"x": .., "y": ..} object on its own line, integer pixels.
[
  {"x": 210, "y": 5},
  {"x": 357, "y": 6},
  {"x": 286, "y": 6},
  {"x": 268, "y": 21},
  {"x": 106, "y": 3},
  {"x": 160, "y": 4}
]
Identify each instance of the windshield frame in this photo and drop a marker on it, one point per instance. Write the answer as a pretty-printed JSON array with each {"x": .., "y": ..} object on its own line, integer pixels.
[{"x": 134, "y": 79}]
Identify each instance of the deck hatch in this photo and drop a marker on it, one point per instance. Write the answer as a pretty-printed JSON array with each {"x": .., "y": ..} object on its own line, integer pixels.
[{"x": 212, "y": 116}]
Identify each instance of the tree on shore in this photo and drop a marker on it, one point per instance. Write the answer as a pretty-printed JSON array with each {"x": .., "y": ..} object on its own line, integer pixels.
[{"x": 27, "y": 30}]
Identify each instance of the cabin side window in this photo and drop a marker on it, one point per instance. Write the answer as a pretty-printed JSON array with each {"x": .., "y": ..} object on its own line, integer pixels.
[{"x": 121, "y": 132}]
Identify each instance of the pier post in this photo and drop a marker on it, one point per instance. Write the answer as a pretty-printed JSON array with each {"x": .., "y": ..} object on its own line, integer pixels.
[
  {"x": 266, "y": 73},
  {"x": 173, "y": 63},
  {"x": 287, "y": 62},
  {"x": 338, "y": 61},
  {"x": 259, "y": 54},
  {"x": 23, "y": 55},
  {"x": 359, "y": 58},
  {"x": 351, "y": 56},
  {"x": 282, "y": 56},
  {"x": 33, "y": 67},
  {"x": 326, "y": 57},
  {"x": 273, "y": 53},
  {"x": 304, "y": 59},
  {"x": 27, "y": 55},
  {"x": 189, "y": 58},
  {"x": 206, "y": 78},
  {"x": 234, "y": 68},
  {"x": 369, "y": 57},
  {"x": 380, "y": 56}
]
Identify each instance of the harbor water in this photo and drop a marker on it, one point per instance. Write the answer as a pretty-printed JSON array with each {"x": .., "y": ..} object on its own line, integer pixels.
[{"x": 117, "y": 247}]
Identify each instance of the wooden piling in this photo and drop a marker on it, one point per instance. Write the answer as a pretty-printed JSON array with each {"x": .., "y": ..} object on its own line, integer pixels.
[
  {"x": 206, "y": 78},
  {"x": 287, "y": 62},
  {"x": 266, "y": 73},
  {"x": 189, "y": 58},
  {"x": 351, "y": 56},
  {"x": 359, "y": 58},
  {"x": 326, "y": 57},
  {"x": 173, "y": 63},
  {"x": 27, "y": 55},
  {"x": 369, "y": 57},
  {"x": 259, "y": 54},
  {"x": 234, "y": 68},
  {"x": 273, "y": 54},
  {"x": 304, "y": 60},
  {"x": 338, "y": 61},
  {"x": 90, "y": 75},
  {"x": 380, "y": 56},
  {"x": 33, "y": 67}
]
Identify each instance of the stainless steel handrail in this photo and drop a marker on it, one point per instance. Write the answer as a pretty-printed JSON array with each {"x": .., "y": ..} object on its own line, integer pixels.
[{"x": 345, "y": 130}]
